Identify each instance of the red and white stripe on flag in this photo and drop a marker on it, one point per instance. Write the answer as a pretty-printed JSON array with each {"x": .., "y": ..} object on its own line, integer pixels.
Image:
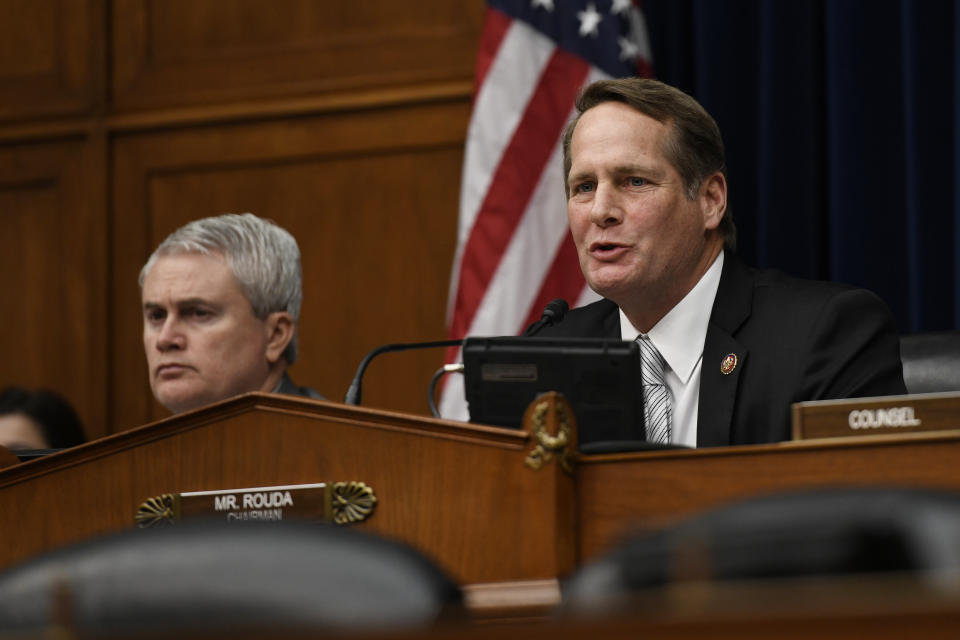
[{"x": 514, "y": 252}]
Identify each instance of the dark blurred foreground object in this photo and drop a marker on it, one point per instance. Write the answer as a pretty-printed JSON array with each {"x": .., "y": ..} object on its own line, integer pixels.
[
  {"x": 214, "y": 576},
  {"x": 931, "y": 361},
  {"x": 50, "y": 415},
  {"x": 826, "y": 532}
]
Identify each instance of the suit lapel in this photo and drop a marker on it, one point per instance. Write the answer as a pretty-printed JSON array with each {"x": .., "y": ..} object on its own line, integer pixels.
[
  {"x": 287, "y": 386},
  {"x": 599, "y": 319},
  {"x": 723, "y": 355},
  {"x": 611, "y": 322}
]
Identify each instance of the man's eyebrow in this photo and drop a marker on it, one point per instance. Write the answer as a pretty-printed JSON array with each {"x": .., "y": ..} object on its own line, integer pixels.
[
  {"x": 636, "y": 168},
  {"x": 574, "y": 177},
  {"x": 620, "y": 170},
  {"x": 186, "y": 302}
]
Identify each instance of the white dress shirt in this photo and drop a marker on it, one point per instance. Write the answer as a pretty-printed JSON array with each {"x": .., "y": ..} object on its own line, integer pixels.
[{"x": 679, "y": 337}]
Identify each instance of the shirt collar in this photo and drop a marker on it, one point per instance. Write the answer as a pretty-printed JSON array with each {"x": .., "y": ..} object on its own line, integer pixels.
[{"x": 679, "y": 335}]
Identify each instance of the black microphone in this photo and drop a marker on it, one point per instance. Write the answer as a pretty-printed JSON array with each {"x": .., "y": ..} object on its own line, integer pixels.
[
  {"x": 353, "y": 393},
  {"x": 552, "y": 314}
]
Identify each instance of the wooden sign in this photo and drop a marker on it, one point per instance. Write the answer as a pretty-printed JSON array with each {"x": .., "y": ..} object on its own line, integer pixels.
[
  {"x": 339, "y": 502},
  {"x": 878, "y": 415}
]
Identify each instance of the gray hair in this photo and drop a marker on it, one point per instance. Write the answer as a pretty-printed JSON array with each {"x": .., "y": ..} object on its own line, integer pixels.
[{"x": 263, "y": 257}]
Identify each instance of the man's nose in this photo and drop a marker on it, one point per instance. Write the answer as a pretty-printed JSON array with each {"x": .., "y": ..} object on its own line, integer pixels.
[
  {"x": 606, "y": 209},
  {"x": 170, "y": 335}
]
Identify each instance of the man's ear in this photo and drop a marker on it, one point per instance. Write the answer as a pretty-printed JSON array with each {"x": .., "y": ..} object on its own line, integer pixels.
[
  {"x": 279, "y": 328},
  {"x": 713, "y": 200}
]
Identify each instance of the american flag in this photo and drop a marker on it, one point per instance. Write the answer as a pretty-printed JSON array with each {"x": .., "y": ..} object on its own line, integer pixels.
[{"x": 514, "y": 253}]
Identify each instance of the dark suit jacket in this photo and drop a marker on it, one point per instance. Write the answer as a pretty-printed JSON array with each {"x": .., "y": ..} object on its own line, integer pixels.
[
  {"x": 289, "y": 387},
  {"x": 794, "y": 340}
]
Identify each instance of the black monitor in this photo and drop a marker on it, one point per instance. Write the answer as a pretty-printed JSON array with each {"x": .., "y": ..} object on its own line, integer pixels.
[{"x": 600, "y": 378}]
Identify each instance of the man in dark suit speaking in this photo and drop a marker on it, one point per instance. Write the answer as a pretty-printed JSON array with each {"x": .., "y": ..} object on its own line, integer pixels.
[{"x": 725, "y": 348}]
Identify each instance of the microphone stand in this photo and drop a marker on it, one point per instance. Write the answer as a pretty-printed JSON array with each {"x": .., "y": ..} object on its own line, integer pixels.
[{"x": 353, "y": 393}]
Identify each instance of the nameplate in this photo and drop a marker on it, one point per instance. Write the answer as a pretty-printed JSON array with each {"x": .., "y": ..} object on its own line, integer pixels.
[
  {"x": 859, "y": 417},
  {"x": 338, "y": 502}
]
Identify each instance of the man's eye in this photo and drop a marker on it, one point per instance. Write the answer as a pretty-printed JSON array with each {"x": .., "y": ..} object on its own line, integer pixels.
[
  {"x": 155, "y": 316},
  {"x": 637, "y": 182},
  {"x": 584, "y": 187}
]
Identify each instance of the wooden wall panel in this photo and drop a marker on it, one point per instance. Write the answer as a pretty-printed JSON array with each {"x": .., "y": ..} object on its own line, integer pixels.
[
  {"x": 50, "y": 57},
  {"x": 371, "y": 196},
  {"x": 344, "y": 123},
  {"x": 53, "y": 268},
  {"x": 188, "y": 52}
]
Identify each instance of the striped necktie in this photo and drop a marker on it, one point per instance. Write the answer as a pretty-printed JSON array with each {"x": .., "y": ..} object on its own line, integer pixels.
[{"x": 657, "y": 409}]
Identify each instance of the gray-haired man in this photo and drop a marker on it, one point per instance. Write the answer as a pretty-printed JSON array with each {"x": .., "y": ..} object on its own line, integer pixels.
[{"x": 221, "y": 297}]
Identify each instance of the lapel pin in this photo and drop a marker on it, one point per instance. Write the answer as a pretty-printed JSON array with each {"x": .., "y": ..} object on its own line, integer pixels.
[{"x": 728, "y": 364}]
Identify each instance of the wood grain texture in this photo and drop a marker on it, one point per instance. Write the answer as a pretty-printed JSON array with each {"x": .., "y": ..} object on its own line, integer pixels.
[
  {"x": 462, "y": 495},
  {"x": 53, "y": 264},
  {"x": 371, "y": 197},
  {"x": 666, "y": 616},
  {"x": 345, "y": 123},
  {"x": 178, "y": 52},
  {"x": 7, "y": 458},
  {"x": 459, "y": 493},
  {"x": 617, "y": 494},
  {"x": 51, "y": 56}
]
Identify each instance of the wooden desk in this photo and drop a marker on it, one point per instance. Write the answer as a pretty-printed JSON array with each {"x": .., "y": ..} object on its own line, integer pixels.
[
  {"x": 618, "y": 493},
  {"x": 460, "y": 493}
]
